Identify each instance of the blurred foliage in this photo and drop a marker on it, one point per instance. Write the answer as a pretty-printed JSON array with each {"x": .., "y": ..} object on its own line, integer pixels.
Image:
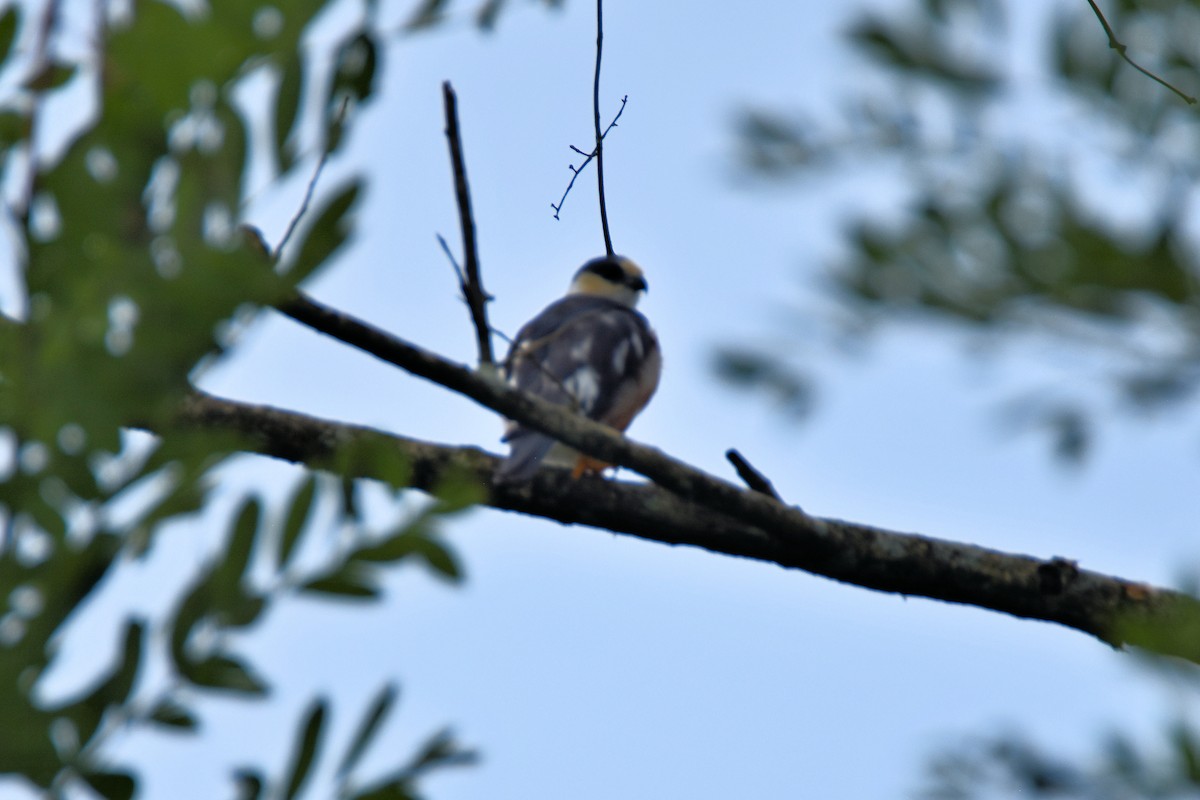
[
  {"x": 133, "y": 274},
  {"x": 1124, "y": 767},
  {"x": 433, "y": 12},
  {"x": 1011, "y": 766},
  {"x": 1005, "y": 233}
]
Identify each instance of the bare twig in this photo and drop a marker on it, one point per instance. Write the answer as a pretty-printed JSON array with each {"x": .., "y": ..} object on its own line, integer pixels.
[
  {"x": 311, "y": 189},
  {"x": 575, "y": 171},
  {"x": 608, "y": 246},
  {"x": 1120, "y": 47},
  {"x": 458, "y": 273},
  {"x": 751, "y": 476},
  {"x": 504, "y": 337},
  {"x": 472, "y": 287}
]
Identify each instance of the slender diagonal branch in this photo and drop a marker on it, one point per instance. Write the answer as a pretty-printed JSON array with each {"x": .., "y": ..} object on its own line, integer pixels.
[
  {"x": 472, "y": 286},
  {"x": 576, "y": 171},
  {"x": 1054, "y": 590},
  {"x": 458, "y": 273},
  {"x": 608, "y": 245},
  {"x": 311, "y": 188},
  {"x": 1121, "y": 49}
]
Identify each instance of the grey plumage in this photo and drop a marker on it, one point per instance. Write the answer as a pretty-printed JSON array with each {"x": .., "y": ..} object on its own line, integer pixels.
[{"x": 589, "y": 352}]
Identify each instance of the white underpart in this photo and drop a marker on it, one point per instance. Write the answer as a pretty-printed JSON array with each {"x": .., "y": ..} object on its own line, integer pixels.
[
  {"x": 582, "y": 349},
  {"x": 639, "y": 349},
  {"x": 584, "y": 385},
  {"x": 620, "y": 353}
]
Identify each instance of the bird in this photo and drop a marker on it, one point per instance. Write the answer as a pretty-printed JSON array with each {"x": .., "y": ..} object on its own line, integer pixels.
[{"x": 590, "y": 350}]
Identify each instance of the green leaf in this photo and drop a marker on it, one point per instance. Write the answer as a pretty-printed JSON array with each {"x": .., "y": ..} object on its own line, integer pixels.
[
  {"x": 440, "y": 750},
  {"x": 458, "y": 492},
  {"x": 395, "y": 790},
  {"x": 241, "y": 545},
  {"x": 350, "y": 580},
  {"x": 440, "y": 559},
  {"x": 116, "y": 689},
  {"x": 8, "y": 30},
  {"x": 487, "y": 14},
  {"x": 325, "y": 235},
  {"x": 1187, "y": 751},
  {"x": 194, "y": 606},
  {"x": 374, "y": 456},
  {"x": 393, "y": 548},
  {"x": 112, "y": 692},
  {"x": 14, "y": 128},
  {"x": 368, "y": 727},
  {"x": 50, "y": 77},
  {"x": 172, "y": 714},
  {"x": 239, "y": 608},
  {"x": 413, "y": 539},
  {"x": 224, "y": 673},
  {"x": 305, "y": 749},
  {"x": 428, "y": 14},
  {"x": 249, "y": 782},
  {"x": 287, "y": 107},
  {"x": 357, "y": 62},
  {"x": 351, "y": 508},
  {"x": 47, "y": 517},
  {"x": 299, "y": 510},
  {"x": 111, "y": 785}
]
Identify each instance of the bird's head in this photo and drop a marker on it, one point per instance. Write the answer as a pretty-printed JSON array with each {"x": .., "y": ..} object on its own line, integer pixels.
[{"x": 614, "y": 277}]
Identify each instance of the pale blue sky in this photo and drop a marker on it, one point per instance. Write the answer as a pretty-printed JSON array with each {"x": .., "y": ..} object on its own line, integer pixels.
[{"x": 585, "y": 665}]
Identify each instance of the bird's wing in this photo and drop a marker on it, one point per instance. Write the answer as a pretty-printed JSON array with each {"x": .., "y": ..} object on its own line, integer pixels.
[{"x": 597, "y": 356}]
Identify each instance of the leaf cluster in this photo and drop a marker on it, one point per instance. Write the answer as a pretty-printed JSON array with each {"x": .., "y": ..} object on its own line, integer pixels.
[
  {"x": 997, "y": 237},
  {"x": 135, "y": 275}
]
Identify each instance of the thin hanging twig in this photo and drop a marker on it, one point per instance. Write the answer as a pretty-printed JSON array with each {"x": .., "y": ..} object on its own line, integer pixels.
[
  {"x": 575, "y": 171},
  {"x": 608, "y": 246},
  {"x": 1120, "y": 47},
  {"x": 311, "y": 189}
]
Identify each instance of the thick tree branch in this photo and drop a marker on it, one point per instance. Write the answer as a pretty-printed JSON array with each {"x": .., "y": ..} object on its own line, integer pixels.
[
  {"x": 907, "y": 564},
  {"x": 1055, "y": 590}
]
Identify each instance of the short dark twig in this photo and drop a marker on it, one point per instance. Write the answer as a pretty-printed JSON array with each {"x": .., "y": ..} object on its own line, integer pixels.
[
  {"x": 458, "y": 273},
  {"x": 311, "y": 189},
  {"x": 751, "y": 476},
  {"x": 576, "y": 171},
  {"x": 472, "y": 287},
  {"x": 504, "y": 337},
  {"x": 1120, "y": 47},
  {"x": 608, "y": 246}
]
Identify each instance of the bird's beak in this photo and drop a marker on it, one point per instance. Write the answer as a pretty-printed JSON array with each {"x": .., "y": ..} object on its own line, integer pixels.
[{"x": 637, "y": 283}]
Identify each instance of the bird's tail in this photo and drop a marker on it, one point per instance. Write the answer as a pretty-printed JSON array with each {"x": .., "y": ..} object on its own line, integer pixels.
[{"x": 528, "y": 450}]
